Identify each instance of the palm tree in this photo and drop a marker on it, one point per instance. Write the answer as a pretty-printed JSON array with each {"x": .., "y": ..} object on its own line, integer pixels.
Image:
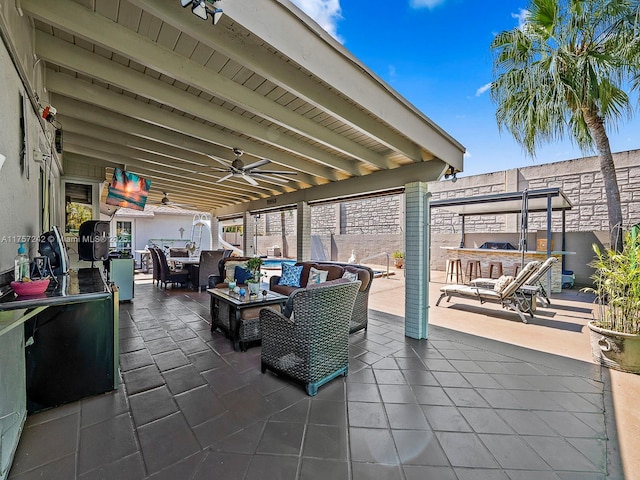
[{"x": 565, "y": 71}]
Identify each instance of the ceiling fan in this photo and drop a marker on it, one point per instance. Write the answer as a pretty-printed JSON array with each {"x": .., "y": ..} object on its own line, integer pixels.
[
  {"x": 168, "y": 203},
  {"x": 237, "y": 168}
]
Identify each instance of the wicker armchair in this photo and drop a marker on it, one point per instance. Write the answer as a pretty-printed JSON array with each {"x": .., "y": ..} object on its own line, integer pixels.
[
  {"x": 208, "y": 265},
  {"x": 170, "y": 276},
  {"x": 156, "y": 265},
  {"x": 312, "y": 347}
]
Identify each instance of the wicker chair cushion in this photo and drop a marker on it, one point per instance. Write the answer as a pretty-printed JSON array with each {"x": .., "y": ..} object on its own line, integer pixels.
[
  {"x": 290, "y": 275},
  {"x": 317, "y": 276}
]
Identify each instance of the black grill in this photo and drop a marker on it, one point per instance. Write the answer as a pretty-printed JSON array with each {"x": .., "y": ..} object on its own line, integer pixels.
[{"x": 497, "y": 246}]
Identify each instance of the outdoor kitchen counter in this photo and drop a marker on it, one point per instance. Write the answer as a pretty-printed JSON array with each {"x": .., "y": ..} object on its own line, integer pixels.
[
  {"x": 55, "y": 348},
  {"x": 509, "y": 260}
]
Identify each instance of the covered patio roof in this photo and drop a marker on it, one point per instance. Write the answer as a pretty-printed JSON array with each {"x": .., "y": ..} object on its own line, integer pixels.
[{"x": 147, "y": 86}]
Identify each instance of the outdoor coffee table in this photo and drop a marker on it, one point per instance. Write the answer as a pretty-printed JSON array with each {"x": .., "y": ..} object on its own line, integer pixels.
[{"x": 238, "y": 317}]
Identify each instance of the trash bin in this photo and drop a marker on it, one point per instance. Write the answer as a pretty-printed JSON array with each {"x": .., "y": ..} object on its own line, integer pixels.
[{"x": 568, "y": 279}]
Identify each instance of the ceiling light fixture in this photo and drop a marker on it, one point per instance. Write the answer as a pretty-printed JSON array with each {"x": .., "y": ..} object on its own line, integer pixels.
[
  {"x": 451, "y": 172},
  {"x": 203, "y": 8}
]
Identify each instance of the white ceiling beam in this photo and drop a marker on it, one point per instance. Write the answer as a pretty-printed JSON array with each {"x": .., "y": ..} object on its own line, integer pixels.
[
  {"x": 129, "y": 156},
  {"x": 419, "y": 137},
  {"x": 375, "y": 182},
  {"x": 71, "y": 87},
  {"x": 78, "y": 20},
  {"x": 80, "y": 60}
]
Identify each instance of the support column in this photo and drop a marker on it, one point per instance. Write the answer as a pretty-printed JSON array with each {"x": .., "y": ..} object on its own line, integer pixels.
[
  {"x": 215, "y": 233},
  {"x": 303, "y": 232},
  {"x": 248, "y": 235},
  {"x": 417, "y": 222}
]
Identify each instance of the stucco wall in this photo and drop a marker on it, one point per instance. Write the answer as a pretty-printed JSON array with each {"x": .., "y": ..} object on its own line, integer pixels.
[{"x": 20, "y": 215}]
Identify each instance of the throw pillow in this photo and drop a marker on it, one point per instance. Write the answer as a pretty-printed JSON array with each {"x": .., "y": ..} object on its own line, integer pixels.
[
  {"x": 317, "y": 276},
  {"x": 502, "y": 282},
  {"x": 290, "y": 275},
  {"x": 241, "y": 274},
  {"x": 352, "y": 277},
  {"x": 230, "y": 269}
]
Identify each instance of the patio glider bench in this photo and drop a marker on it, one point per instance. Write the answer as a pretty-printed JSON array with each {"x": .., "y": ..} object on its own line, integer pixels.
[
  {"x": 535, "y": 280},
  {"x": 312, "y": 271},
  {"x": 507, "y": 292}
]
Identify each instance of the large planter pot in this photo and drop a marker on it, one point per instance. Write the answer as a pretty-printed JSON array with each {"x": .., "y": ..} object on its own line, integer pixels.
[
  {"x": 620, "y": 351},
  {"x": 399, "y": 262},
  {"x": 254, "y": 288}
]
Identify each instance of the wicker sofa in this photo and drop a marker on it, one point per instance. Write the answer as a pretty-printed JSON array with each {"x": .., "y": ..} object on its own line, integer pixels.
[{"x": 360, "y": 315}]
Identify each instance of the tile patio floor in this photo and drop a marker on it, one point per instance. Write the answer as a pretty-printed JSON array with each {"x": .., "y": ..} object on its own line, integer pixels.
[{"x": 456, "y": 406}]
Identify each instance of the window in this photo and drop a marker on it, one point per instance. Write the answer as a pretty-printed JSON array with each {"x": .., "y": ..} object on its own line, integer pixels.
[{"x": 78, "y": 206}]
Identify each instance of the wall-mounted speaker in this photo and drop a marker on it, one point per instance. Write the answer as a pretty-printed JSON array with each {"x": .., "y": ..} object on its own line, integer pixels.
[
  {"x": 58, "y": 140},
  {"x": 93, "y": 240}
]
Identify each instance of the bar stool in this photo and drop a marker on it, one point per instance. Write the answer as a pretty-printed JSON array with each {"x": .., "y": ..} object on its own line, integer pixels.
[
  {"x": 497, "y": 266},
  {"x": 474, "y": 269},
  {"x": 454, "y": 269},
  {"x": 516, "y": 269}
]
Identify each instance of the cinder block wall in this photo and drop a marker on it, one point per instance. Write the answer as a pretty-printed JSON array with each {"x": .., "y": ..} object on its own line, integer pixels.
[{"x": 375, "y": 225}]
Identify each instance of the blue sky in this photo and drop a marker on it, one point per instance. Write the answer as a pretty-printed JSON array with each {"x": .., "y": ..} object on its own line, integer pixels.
[{"x": 436, "y": 54}]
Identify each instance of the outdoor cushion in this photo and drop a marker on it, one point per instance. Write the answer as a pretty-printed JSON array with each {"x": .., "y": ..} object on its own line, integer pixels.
[
  {"x": 352, "y": 277},
  {"x": 502, "y": 282},
  {"x": 230, "y": 269},
  {"x": 317, "y": 276},
  {"x": 290, "y": 275},
  {"x": 241, "y": 274}
]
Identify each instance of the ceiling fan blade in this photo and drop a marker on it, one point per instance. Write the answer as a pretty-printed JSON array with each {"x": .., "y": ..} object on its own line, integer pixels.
[
  {"x": 222, "y": 162},
  {"x": 249, "y": 179},
  {"x": 269, "y": 178},
  {"x": 224, "y": 178},
  {"x": 257, "y": 164}
]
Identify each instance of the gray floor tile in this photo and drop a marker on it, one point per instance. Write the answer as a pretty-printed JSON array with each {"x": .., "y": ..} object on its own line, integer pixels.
[
  {"x": 406, "y": 416},
  {"x": 281, "y": 438},
  {"x": 166, "y": 441},
  {"x": 104, "y": 443},
  {"x": 513, "y": 452},
  {"x": 200, "y": 405},
  {"x": 221, "y": 465},
  {"x": 58, "y": 469},
  {"x": 171, "y": 359},
  {"x": 142, "y": 379},
  {"x": 397, "y": 394},
  {"x": 366, "y": 471},
  {"x": 128, "y": 468},
  {"x": 323, "y": 469},
  {"x": 363, "y": 414},
  {"x": 560, "y": 454},
  {"x": 328, "y": 412},
  {"x": 272, "y": 466},
  {"x": 446, "y": 419},
  {"x": 419, "y": 447},
  {"x": 372, "y": 445},
  {"x": 525, "y": 423},
  {"x": 480, "y": 474},
  {"x": 363, "y": 392},
  {"x": 484, "y": 420},
  {"x": 427, "y": 472},
  {"x": 431, "y": 395},
  {"x": 182, "y": 379},
  {"x": 325, "y": 441},
  {"x": 465, "y": 450},
  {"x": 152, "y": 405}
]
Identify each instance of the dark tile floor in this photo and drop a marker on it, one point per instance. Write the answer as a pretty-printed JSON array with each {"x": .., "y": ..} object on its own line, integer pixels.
[{"x": 453, "y": 407}]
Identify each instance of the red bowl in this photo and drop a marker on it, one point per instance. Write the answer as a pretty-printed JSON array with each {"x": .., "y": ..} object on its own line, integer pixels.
[{"x": 34, "y": 287}]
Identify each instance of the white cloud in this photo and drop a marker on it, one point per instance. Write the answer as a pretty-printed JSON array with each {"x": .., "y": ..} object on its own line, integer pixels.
[
  {"x": 425, "y": 3},
  {"x": 521, "y": 16},
  {"x": 483, "y": 89},
  {"x": 326, "y": 13}
]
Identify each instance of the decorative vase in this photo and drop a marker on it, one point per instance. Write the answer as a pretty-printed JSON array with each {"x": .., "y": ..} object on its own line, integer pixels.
[
  {"x": 620, "y": 351},
  {"x": 254, "y": 288}
]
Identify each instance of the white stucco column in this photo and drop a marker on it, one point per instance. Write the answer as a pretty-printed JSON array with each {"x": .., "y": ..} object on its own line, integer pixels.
[
  {"x": 248, "y": 234},
  {"x": 215, "y": 233},
  {"x": 416, "y": 203},
  {"x": 303, "y": 232}
]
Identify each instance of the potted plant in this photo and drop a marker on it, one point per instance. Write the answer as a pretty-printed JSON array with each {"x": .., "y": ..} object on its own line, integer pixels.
[
  {"x": 398, "y": 258},
  {"x": 615, "y": 330},
  {"x": 253, "y": 265}
]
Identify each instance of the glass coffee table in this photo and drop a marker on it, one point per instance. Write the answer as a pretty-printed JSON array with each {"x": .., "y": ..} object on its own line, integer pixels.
[{"x": 238, "y": 317}]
